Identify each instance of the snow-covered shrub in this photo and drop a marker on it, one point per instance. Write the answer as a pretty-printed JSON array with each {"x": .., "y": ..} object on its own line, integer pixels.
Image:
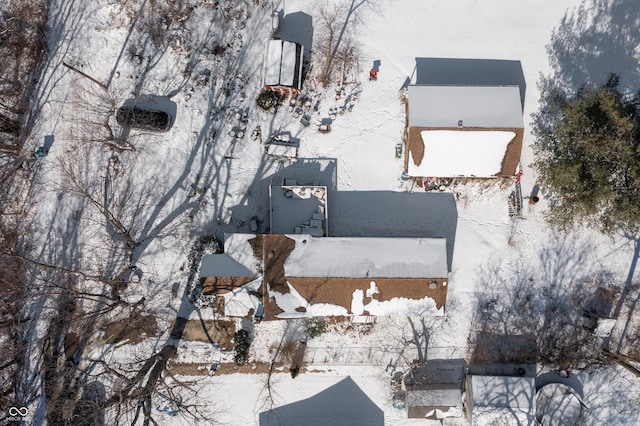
[
  {"x": 267, "y": 100},
  {"x": 314, "y": 327}
]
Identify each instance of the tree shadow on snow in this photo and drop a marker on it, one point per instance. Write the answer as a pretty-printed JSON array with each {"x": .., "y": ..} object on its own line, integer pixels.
[
  {"x": 595, "y": 39},
  {"x": 548, "y": 298}
]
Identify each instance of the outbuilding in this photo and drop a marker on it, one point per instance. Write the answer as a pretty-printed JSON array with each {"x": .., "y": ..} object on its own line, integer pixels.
[
  {"x": 434, "y": 390},
  {"x": 283, "y": 66},
  {"x": 472, "y": 131},
  {"x": 501, "y": 400}
]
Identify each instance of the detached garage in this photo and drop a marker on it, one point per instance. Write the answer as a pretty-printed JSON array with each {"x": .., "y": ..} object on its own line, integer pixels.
[{"x": 473, "y": 131}]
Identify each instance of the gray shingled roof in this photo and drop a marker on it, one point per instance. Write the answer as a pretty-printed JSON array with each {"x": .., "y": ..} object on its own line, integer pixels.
[
  {"x": 364, "y": 257},
  {"x": 477, "y": 106}
]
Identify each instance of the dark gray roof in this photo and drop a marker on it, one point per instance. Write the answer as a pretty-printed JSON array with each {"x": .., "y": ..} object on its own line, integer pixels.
[
  {"x": 489, "y": 107},
  {"x": 470, "y": 72},
  {"x": 446, "y": 396},
  {"x": 436, "y": 384},
  {"x": 342, "y": 404},
  {"x": 437, "y": 372}
]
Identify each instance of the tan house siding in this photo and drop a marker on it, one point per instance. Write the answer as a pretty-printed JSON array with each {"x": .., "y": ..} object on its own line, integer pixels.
[{"x": 509, "y": 162}]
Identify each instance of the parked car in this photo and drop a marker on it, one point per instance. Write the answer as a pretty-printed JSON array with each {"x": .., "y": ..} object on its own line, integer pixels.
[{"x": 142, "y": 118}]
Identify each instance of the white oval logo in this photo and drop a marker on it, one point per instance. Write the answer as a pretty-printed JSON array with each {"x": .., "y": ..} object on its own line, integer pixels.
[{"x": 18, "y": 411}]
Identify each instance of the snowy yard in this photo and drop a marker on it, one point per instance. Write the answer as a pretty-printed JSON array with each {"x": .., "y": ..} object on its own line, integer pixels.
[{"x": 106, "y": 198}]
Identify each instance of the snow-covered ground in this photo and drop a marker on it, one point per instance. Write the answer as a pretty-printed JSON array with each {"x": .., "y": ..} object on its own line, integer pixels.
[{"x": 196, "y": 180}]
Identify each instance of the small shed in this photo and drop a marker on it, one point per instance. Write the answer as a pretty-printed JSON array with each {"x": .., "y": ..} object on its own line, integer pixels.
[
  {"x": 283, "y": 66},
  {"x": 434, "y": 390},
  {"x": 506, "y": 399}
]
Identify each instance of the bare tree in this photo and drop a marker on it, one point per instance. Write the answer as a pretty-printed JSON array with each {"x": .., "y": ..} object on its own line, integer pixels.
[
  {"x": 336, "y": 45},
  {"x": 551, "y": 305},
  {"x": 139, "y": 384},
  {"x": 106, "y": 217},
  {"x": 12, "y": 293},
  {"x": 21, "y": 47}
]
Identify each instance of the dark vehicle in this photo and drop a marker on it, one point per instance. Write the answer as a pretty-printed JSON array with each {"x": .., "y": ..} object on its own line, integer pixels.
[{"x": 143, "y": 118}]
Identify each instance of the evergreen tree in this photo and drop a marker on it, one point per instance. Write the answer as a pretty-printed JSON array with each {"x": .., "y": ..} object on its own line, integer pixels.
[
  {"x": 242, "y": 341},
  {"x": 587, "y": 155}
]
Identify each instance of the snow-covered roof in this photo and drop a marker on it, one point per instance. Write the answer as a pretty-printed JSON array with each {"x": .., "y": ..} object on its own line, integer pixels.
[
  {"x": 272, "y": 62},
  {"x": 287, "y": 151},
  {"x": 436, "y": 372},
  {"x": 444, "y": 396},
  {"x": 503, "y": 392},
  {"x": 367, "y": 257},
  {"x": 461, "y": 153},
  {"x": 477, "y": 106},
  {"x": 223, "y": 265},
  {"x": 292, "y": 300},
  {"x": 399, "y": 306},
  {"x": 240, "y": 302},
  {"x": 237, "y": 247},
  {"x": 288, "y": 68},
  {"x": 470, "y": 72},
  {"x": 283, "y": 62},
  {"x": 435, "y": 385}
]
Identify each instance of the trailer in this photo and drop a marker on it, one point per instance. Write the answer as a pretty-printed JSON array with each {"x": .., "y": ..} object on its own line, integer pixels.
[{"x": 282, "y": 151}]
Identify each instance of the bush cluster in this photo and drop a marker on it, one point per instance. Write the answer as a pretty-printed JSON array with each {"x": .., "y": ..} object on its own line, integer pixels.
[
  {"x": 242, "y": 342},
  {"x": 314, "y": 327},
  {"x": 266, "y": 100}
]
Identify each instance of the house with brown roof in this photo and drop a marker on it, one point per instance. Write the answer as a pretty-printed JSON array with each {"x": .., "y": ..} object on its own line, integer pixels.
[
  {"x": 299, "y": 275},
  {"x": 300, "y": 271}
]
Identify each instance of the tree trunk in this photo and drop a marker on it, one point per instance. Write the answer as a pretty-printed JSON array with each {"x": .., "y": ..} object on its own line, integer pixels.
[{"x": 9, "y": 149}]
